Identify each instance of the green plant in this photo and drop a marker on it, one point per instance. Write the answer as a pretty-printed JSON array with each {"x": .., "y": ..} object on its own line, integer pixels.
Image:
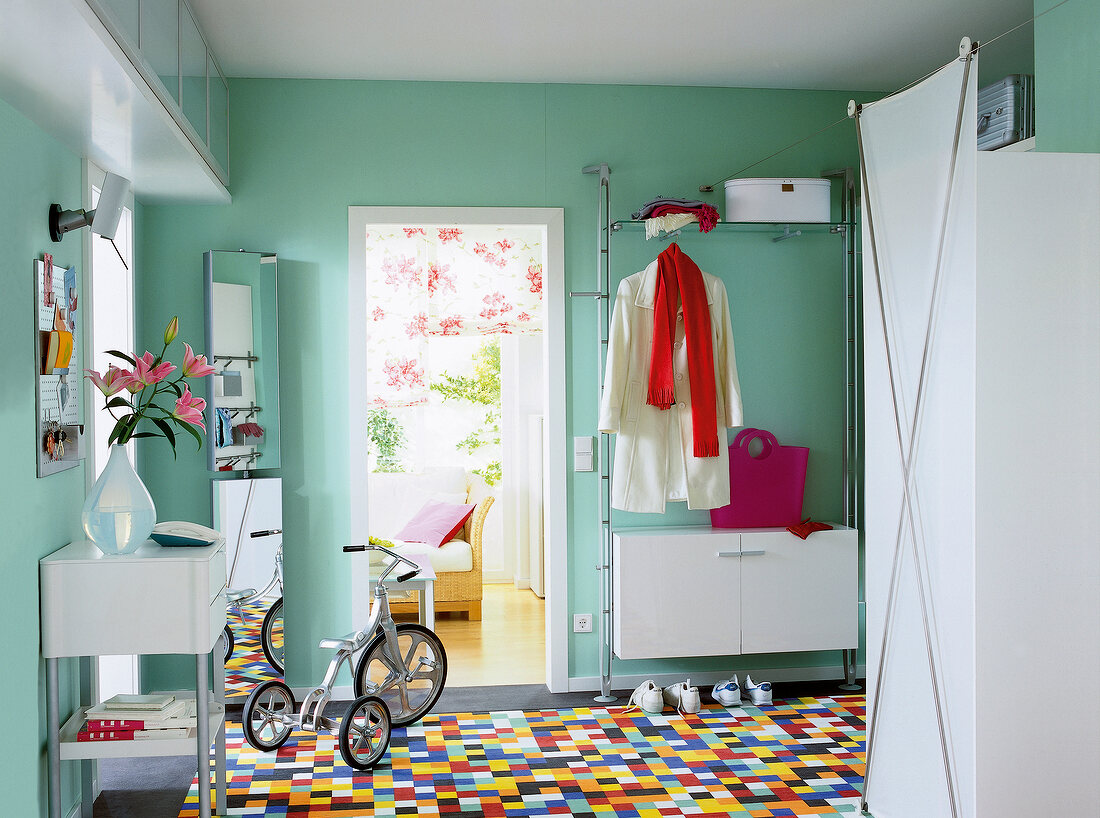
[
  {"x": 491, "y": 474},
  {"x": 483, "y": 388},
  {"x": 387, "y": 439}
]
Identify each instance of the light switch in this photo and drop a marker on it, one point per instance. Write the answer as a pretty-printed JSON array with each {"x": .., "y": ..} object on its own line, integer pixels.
[{"x": 582, "y": 454}]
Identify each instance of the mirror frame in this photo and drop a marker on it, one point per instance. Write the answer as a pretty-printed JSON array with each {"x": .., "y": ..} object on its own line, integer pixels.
[{"x": 272, "y": 391}]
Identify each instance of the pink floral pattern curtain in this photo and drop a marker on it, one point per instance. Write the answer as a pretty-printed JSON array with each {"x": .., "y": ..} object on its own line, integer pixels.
[{"x": 426, "y": 282}]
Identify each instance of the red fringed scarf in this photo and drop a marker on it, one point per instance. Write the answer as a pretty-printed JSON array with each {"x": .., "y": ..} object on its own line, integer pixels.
[{"x": 680, "y": 280}]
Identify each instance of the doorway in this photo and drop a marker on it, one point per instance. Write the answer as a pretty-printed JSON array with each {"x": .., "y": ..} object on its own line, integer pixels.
[{"x": 460, "y": 312}]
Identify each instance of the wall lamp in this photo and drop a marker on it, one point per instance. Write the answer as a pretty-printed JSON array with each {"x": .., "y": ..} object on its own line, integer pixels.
[{"x": 103, "y": 220}]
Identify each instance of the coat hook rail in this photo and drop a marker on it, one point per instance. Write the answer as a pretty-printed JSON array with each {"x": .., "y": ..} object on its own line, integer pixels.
[
  {"x": 232, "y": 459},
  {"x": 251, "y": 410},
  {"x": 228, "y": 359}
]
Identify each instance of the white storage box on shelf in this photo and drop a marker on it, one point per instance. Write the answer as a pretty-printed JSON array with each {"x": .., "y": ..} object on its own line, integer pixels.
[{"x": 777, "y": 201}]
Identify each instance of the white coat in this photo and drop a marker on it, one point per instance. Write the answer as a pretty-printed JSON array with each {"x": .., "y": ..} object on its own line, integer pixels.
[{"x": 654, "y": 459}]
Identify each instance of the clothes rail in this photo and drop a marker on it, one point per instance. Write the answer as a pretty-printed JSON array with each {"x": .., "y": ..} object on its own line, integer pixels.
[
  {"x": 236, "y": 458},
  {"x": 852, "y": 489},
  {"x": 250, "y": 358}
]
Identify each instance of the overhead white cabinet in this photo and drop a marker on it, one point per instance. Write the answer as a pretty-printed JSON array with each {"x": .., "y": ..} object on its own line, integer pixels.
[{"x": 704, "y": 591}]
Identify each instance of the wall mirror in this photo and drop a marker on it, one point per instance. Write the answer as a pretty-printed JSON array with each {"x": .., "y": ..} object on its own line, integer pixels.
[{"x": 242, "y": 343}]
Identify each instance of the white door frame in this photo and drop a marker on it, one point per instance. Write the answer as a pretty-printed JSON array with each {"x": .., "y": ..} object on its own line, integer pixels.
[{"x": 554, "y": 386}]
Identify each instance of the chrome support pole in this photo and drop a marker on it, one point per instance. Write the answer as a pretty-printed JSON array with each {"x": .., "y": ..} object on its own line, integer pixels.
[
  {"x": 53, "y": 735},
  {"x": 849, "y": 671},
  {"x": 850, "y": 455},
  {"x": 605, "y": 565},
  {"x": 202, "y": 729},
  {"x": 220, "y": 803}
]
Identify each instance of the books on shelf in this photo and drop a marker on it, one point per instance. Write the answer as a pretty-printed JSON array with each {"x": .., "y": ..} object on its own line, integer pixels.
[
  {"x": 138, "y": 701},
  {"x": 174, "y": 720},
  {"x": 178, "y": 708},
  {"x": 132, "y": 735}
]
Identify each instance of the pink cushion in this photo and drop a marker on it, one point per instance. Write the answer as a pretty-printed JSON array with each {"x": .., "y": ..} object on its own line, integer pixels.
[{"x": 435, "y": 523}]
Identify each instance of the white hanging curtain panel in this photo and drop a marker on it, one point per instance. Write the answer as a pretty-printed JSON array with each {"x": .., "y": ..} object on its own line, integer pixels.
[
  {"x": 426, "y": 282},
  {"x": 919, "y": 375}
]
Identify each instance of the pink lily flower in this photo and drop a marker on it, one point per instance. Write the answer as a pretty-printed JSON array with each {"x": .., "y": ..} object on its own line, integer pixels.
[
  {"x": 189, "y": 409},
  {"x": 147, "y": 374},
  {"x": 195, "y": 366},
  {"x": 113, "y": 381},
  {"x": 133, "y": 385}
]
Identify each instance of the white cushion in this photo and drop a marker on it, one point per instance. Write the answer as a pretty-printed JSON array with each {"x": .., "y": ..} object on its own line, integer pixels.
[{"x": 456, "y": 555}]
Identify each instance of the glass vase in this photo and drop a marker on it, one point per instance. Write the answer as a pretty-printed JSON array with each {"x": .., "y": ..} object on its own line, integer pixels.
[{"x": 119, "y": 513}]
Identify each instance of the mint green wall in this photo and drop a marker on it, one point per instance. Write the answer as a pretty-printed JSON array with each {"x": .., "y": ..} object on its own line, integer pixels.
[
  {"x": 40, "y": 515},
  {"x": 1067, "y": 77},
  {"x": 303, "y": 151}
]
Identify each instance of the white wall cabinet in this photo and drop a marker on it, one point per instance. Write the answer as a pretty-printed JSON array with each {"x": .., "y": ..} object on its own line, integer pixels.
[{"x": 703, "y": 591}]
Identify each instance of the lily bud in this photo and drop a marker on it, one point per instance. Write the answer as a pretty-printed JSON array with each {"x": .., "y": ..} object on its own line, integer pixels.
[{"x": 172, "y": 330}]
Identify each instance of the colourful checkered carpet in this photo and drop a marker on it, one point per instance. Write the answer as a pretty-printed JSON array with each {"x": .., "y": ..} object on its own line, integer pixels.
[
  {"x": 800, "y": 757},
  {"x": 248, "y": 666}
]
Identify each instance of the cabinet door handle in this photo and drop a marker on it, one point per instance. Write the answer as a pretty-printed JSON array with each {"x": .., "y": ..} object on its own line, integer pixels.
[
  {"x": 728, "y": 554},
  {"x": 758, "y": 553}
]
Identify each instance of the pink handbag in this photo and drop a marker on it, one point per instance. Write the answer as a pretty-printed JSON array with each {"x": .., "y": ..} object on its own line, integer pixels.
[{"x": 765, "y": 490}]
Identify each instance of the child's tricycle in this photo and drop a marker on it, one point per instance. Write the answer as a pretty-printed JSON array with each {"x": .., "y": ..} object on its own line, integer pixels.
[{"x": 398, "y": 677}]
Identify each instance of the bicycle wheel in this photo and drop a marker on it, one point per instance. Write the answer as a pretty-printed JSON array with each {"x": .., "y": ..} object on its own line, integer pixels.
[
  {"x": 264, "y": 713},
  {"x": 365, "y": 732},
  {"x": 271, "y": 635},
  {"x": 411, "y": 685},
  {"x": 228, "y": 632}
]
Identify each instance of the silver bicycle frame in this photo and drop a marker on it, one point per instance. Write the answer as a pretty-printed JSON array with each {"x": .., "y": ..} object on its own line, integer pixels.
[{"x": 311, "y": 714}]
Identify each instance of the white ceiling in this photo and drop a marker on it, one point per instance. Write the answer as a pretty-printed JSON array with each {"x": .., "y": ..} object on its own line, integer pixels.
[{"x": 813, "y": 44}]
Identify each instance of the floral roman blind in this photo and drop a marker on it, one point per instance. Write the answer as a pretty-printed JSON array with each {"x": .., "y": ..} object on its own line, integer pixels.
[{"x": 427, "y": 282}]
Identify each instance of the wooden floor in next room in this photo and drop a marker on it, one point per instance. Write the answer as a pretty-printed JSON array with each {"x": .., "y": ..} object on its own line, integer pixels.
[{"x": 507, "y": 646}]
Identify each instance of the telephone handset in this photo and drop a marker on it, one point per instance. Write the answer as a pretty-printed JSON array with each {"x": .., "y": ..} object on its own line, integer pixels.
[{"x": 178, "y": 532}]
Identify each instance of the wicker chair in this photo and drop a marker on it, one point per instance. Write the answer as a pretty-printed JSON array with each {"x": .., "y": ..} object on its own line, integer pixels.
[{"x": 458, "y": 590}]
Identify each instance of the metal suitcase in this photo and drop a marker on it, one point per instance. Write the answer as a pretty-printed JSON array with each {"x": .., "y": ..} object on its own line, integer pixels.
[{"x": 1006, "y": 112}]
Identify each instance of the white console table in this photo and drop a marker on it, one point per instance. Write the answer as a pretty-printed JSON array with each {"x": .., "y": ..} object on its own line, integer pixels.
[{"x": 155, "y": 601}]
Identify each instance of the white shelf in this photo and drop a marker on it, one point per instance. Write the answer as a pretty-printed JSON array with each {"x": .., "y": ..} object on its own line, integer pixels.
[
  {"x": 1022, "y": 146},
  {"x": 72, "y": 749}
]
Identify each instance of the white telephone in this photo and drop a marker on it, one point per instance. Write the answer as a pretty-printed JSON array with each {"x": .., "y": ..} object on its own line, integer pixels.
[{"x": 177, "y": 532}]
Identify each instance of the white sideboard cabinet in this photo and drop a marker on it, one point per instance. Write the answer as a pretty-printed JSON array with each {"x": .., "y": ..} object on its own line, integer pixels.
[
  {"x": 156, "y": 600},
  {"x": 702, "y": 591}
]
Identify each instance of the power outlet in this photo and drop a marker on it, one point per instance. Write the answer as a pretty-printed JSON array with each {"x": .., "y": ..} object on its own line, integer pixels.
[{"x": 582, "y": 623}]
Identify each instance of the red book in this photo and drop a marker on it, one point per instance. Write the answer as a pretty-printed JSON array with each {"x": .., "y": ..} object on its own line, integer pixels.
[
  {"x": 105, "y": 735},
  {"x": 115, "y": 724}
]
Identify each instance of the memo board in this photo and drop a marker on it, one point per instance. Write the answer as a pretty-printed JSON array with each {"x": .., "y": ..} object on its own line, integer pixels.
[{"x": 59, "y": 381}]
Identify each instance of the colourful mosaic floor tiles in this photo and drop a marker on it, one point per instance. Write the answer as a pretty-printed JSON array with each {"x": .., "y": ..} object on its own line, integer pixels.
[
  {"x": 800, "y": 757},
  {"x": 248, "y": 666}
]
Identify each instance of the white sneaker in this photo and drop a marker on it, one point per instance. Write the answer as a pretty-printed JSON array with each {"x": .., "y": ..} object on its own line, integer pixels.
[
  {"x": 648, "y": 697},
  {"x": 727, "y": 692},
  {"x": 761, "y": 693},
  {"x": 683, "y": 697}
]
